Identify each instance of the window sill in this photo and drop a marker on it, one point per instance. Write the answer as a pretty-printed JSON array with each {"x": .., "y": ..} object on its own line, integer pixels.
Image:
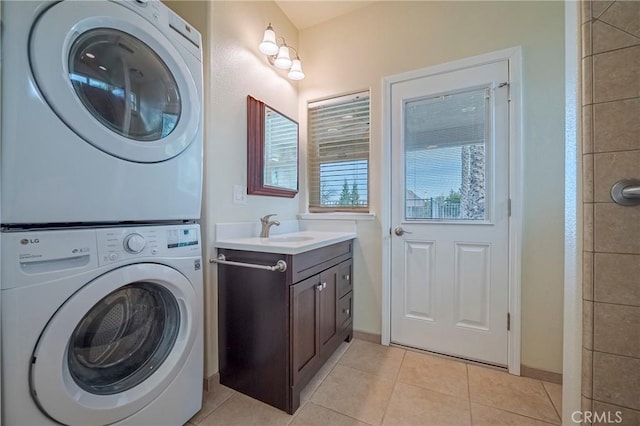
[{"x": 337, "y": 216}]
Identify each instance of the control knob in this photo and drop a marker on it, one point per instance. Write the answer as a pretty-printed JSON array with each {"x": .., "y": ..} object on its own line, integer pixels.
[{"x": 134, "y": 243}]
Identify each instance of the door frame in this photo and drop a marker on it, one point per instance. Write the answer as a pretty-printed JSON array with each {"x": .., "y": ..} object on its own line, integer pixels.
[{"x": 514, "y": 57}]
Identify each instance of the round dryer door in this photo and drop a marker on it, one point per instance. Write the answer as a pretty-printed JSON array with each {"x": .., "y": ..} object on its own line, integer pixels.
[
  {"x": 115, "y": 80},
  {"x": 115, "y": 345}
]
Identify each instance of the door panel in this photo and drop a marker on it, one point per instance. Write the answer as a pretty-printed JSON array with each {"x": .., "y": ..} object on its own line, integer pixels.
[
  {"x": 304, "y": 325},
  {"x": 450, "y": 195},
  {"x": 420, "y": 268},
  {"x": 472, "y": 285}
]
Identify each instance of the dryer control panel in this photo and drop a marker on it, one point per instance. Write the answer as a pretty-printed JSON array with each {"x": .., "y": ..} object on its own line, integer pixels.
[{"x": 118, "y": 244}]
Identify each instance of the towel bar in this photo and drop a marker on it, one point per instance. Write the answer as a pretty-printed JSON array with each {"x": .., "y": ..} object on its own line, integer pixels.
[{"x": 280, "y": 265}]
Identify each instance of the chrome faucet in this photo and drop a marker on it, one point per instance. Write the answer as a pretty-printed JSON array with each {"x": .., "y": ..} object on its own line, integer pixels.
[{"x": 267, "y": 224}]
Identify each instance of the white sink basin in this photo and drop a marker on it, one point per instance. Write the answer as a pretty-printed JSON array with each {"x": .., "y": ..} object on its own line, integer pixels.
[
  {"x": 291, "y": 243},
  {"x": 288, "y": 239}
]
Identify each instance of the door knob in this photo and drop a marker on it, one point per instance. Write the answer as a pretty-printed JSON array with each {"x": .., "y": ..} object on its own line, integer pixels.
[{"x": 400, "y": 232}]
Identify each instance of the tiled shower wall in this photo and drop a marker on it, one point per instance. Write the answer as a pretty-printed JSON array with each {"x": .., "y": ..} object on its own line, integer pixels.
[{"x": 611, "y": 151}]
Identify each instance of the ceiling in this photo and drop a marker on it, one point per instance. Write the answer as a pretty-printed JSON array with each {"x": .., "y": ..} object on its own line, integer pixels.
[{"x": 306, "y": 13}]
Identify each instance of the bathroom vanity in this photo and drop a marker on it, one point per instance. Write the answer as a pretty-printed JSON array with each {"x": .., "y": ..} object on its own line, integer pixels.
[{"x": 277, "y": 328}]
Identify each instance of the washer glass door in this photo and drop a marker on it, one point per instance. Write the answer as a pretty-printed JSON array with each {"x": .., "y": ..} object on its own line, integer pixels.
[
  {"x": 124, "y": 338},
  {"x": 124, "y": 84},
  {"x": 115, "y": 345}
]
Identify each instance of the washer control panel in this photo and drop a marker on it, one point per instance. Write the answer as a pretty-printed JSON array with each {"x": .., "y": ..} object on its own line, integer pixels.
[{"x": 118, "y": 244}]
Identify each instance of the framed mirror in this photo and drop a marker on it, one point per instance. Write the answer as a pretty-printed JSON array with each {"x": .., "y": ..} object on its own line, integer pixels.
[{"x": 272, "y": 151}]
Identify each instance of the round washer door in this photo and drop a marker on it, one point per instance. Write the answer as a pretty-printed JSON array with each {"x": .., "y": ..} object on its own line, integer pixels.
[
  {"x": 115, "y": 345},
  {"x": 115, "y": 80}
]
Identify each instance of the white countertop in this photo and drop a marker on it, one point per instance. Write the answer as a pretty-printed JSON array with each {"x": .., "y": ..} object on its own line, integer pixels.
[{"x": 288, "y": 243}]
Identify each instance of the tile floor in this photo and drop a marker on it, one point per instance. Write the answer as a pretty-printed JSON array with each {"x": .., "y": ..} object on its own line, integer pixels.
[{"x": 369, "y": 384}]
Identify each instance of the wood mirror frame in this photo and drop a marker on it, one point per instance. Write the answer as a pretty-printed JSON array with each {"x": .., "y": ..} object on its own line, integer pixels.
[{"x": 256, "y": 148}]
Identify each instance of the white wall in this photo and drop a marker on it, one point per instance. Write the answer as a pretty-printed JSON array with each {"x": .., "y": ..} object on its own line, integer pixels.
[
  {"x": 234, "y": 68},
  {"x": 356, "y": 51}
]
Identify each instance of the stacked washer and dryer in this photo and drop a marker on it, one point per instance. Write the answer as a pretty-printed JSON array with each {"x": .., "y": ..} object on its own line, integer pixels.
[{"x": 101, "y": 181}]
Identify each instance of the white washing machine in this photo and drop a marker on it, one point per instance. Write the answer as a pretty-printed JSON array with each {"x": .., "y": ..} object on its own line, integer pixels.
[
  {"x": 101, "y": 113},
  {"x": 102, "y": 326}
]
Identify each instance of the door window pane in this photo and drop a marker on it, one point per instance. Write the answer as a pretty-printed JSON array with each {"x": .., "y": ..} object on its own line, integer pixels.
[
  {"x": 124, "y": 84},
  {"x": 124, "y": 338},
  {"x": 445, "y": 151}
]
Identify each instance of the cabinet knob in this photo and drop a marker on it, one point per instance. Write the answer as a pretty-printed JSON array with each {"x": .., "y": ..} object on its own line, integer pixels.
[
  {"x": 346, "y": 311},
  {"x": 319, "y": 287},
  {"x": 347, "y": 277},
  {"x": 324, "y": 284}
]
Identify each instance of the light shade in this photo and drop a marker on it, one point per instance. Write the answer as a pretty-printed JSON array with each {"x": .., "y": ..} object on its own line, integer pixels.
[
  {"x": 268, "y": 45},
  {"x": 279, "y": 55},
  {"x": 295, "y": 73},
  {"x": 283, "y": 61}
]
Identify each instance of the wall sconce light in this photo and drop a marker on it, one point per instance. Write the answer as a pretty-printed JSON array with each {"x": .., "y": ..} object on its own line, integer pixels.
[{"x": 279, "y": 54}]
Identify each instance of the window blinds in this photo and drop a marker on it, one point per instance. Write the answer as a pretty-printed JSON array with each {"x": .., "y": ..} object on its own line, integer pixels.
[{"x": 338, "y": 153}]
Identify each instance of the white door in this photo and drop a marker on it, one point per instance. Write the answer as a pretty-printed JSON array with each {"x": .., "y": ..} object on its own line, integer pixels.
[{"x": 450, "y": 212}]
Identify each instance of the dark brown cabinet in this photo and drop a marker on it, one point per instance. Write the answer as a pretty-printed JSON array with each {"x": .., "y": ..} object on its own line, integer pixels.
[{"x": 277, "y": 329}]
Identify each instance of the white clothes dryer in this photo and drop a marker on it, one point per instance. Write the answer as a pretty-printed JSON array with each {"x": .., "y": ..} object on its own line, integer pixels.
[
  {"x": 102, "y": 326},
  {"x": 101, "y": 113}
]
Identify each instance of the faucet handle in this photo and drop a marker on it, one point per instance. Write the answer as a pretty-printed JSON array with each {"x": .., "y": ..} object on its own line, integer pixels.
[{"x": 265, "y": 218}]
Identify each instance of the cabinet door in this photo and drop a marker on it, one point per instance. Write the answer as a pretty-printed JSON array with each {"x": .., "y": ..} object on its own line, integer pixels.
[
  {"x": 304, "y": 325},
  {"x": 328, "y": 309}
]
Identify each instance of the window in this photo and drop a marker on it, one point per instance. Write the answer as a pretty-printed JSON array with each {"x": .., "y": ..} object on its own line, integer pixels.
[
  {"x": 338, "y": 154},
  {"x": 446, "y": 145}
]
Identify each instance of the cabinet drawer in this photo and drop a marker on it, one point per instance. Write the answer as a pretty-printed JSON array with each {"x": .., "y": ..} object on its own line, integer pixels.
[
  {"x": 345, "y": 310},
  {"x": 306, "y": 264},
  {"x": 345, "y": 277}
]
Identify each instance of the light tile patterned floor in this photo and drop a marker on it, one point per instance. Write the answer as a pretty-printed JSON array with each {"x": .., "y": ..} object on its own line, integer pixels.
[{"x": 369, "y": 384}]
